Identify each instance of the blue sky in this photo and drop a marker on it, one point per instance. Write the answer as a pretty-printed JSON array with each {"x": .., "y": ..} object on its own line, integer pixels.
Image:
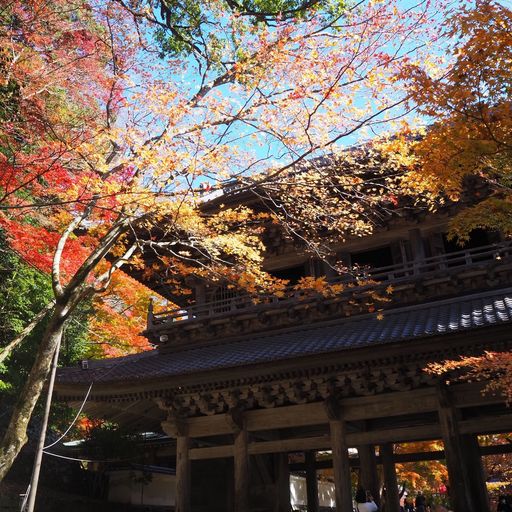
[{"x": 263, "y": 146}]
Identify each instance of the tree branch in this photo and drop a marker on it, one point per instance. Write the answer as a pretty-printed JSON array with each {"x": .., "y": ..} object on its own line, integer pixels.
[{"x": 7, "y": 350}]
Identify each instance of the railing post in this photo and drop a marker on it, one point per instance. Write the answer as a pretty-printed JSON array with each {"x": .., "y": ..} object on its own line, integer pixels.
[
  {"x": 150, "y": 316},
  {"x": 418, "y": 251}
]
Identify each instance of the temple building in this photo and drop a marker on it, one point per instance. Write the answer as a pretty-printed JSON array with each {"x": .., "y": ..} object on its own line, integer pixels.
[{"x": 248, "y": 391}]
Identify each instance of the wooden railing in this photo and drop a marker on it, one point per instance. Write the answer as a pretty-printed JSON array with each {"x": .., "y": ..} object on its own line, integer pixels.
[{"x": 392, "y": 274}]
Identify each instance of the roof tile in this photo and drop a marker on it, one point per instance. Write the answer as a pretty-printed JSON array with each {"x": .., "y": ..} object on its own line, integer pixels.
[{"x": 440, "y": 317}]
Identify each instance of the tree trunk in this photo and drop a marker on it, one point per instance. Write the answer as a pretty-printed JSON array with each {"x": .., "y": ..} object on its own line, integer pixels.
[
  {"x": 16, "y": 435},
  {"x": 67, "y": 300}
]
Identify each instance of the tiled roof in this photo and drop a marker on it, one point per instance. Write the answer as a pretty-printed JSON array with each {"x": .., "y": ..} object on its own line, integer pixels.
[{"x": 449, "y": 316}]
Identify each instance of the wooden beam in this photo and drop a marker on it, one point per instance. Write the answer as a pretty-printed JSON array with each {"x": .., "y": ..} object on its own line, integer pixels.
[
  {"x": 404, "y": 434},
  {"x": 495, "y": 449},
  {"x": 408, "y": 457},
  {"x": 354, "y": 409},
  {"x": 262, "y": 447},
  {"x": 182, "y": 474},
  {"x": 241, "y": 469},
  {"x": 290, "y": 416},
  {"x": 391, "y": 404},
  {"x": 397, "y": 435},
  {"x": 392, "y": 498},
  {"x": 204, "y": 426},
  {"x": 290, "y": 445},
  {"x": 212, "y": 452},
  {"x": 487, "y": 425}
]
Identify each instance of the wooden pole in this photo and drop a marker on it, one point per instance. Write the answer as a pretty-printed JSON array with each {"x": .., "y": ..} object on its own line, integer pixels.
[
  {"x": 475, "y": 471},
  {"x": 283, "y": 501},
  {"x": 182, "y": 474},
  {"x": 341, "y": 466},
  {"x": 34, "y": 481},
  {"x": 392, "y": 495},
  {"x": 241, "y": 465},
  {"x": 460, "y": 487},
  {"x": 311, "y": 482},
  {"x": 368, "y": 476}
]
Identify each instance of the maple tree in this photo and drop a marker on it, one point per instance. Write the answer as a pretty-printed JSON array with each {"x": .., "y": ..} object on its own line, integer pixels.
[
  {"x": 119, "y": 318},
  {"x": 470, "y": 103},
  {"x": 422, "y": 475},
  {"x": 492, "y": 368},
  {"x": 497, "y": 466},
  {"x": 109, "y": 135}
]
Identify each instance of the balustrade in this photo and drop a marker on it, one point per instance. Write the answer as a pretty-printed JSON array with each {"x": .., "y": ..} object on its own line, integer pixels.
[{"x": 360, "y": 277}]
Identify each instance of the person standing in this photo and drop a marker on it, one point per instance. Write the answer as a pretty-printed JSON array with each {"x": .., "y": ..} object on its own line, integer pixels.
[
  {"x": 364, "y": 501},
  {"x": 420, "y": 503},
  {"x": 408, "y": 505}
]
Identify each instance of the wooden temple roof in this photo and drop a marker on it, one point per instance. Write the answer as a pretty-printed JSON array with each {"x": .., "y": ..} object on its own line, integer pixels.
[{"x": 456, "y": 315}]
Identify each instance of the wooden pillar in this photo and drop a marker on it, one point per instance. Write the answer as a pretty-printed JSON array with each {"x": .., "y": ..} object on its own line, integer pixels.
[
  {"x": 475, "y": 471},
  {"x": 460, "y": 486},
  {"x": 230, "y": 485},
  {"x": 182, "y": 474},
  {"x": 390, "y": 481},
  {"x": 418, "y": 249},
  {"x": 341, "y": 466},
  {"x": 176, "y": 427},
  {"x": 311, "y": 482},
  {"x": 368, "y": 476},
  {"x": 241, "y": 470},
  {"x": 282, "y": 470}
]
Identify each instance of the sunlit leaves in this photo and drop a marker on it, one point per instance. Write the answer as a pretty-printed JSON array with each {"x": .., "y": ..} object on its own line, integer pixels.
[
  {"x": 471, "y": 105},
  {"x": 493, "y": 368},
  {"x": 134, "y": 142}
]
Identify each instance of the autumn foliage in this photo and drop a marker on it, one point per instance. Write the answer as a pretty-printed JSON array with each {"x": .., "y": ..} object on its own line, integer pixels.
[
  {"x": 422, "y": 475},
  {"x": 494, "y": 369},
  {"x": 112, "y": 117},
  {"x": 469, "y": 101}
]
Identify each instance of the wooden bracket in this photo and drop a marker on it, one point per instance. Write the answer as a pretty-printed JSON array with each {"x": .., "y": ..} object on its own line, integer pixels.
[
  {"x": 235, "y": 419},
  {"x": 443, "y": 394},
  {"x": 175, "y": 426},
  {"x": 165, "y": 403},
  {"x": 332, "y": 408}
]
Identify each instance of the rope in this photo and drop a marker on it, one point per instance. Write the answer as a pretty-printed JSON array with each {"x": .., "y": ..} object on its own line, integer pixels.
[
  {"x": 74, "y": 420},
  {"x": 85, "y": 460}
]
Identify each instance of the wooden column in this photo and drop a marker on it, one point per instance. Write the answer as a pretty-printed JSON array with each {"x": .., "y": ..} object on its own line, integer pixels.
[
  {"x": 475, "y": 471},
  {"x": 282, "y": 470},
  {"x": 418, "y": 249},
  {"x": 230, "y": 485},
  {"x": 176, "y": 427},
  {"x": 182, "y": 474},
  {"x": 241, "y": 470},
  {"x": 390, "y": 481},
  {"x": 460, "y": 486},
  {"x": 368, "y": 476},
  {"x": 311, "y": 482},
  {"x": 341, "y": 466}
]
